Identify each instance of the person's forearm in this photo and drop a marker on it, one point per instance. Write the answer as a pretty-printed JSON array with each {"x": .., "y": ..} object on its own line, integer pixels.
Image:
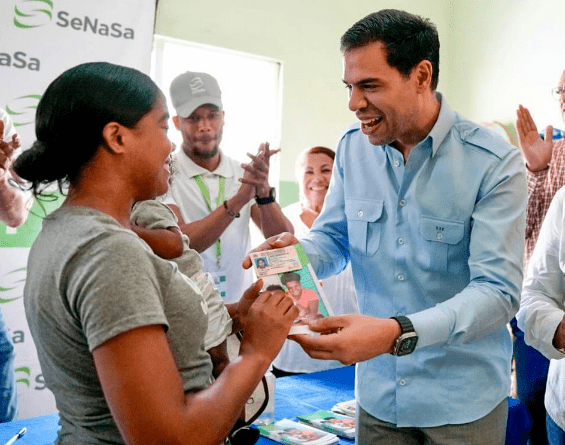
[
  {"x": 139, "y": 412},
  {"x": 272, "y": 220},
  {"x": 205, "y": 232},
  {"x": 239, "y": 379},
  {"x": 13, "y": 209},
  {"x": 536, "y": 181}
]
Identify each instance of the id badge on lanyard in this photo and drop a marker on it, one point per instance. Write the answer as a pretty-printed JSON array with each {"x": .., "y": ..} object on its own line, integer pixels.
[{"x": 220, "y": 277}]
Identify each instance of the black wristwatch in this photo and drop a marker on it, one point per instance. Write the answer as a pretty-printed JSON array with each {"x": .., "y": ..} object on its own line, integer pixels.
[
  {"x": 408, "y": 339},
  {"x": 269, "y": 199}
]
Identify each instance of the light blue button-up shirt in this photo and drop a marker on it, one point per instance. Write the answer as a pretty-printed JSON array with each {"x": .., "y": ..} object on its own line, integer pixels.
[{"x": 440, "y": 239}]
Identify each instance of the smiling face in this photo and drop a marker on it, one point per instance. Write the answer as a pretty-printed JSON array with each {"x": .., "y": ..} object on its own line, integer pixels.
[
  {"x": 383, "y": 99},
  {"x": 316, "y": 175},
  {"x": 295, "y": 289},
  {"x": 152, "y": 150}
]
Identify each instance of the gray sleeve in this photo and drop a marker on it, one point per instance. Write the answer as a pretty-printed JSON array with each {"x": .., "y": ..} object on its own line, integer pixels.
[
  {"x": 153, "y": 215},
  {"x": 112, "y": 287}
]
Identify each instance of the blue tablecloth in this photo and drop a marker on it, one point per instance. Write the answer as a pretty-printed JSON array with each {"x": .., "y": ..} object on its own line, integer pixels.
[
  {"x": 307, "y": 393},
  {"x": 295, "y": 395}
]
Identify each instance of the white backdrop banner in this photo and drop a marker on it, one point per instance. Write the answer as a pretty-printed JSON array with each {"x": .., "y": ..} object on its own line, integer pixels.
[{"x": 39, "y": 39}]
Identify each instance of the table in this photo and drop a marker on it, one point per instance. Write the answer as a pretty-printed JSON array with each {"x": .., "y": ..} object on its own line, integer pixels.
[
  {"x": 295, "y": 395},
  {"x": 307, "y": 393}
]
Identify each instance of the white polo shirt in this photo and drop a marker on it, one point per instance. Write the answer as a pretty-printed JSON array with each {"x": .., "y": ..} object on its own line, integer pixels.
[{"x": 235, "y": 241}]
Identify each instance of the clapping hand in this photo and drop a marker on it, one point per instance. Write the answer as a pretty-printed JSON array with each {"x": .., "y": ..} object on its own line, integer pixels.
[{"x": 257, "y": 171}]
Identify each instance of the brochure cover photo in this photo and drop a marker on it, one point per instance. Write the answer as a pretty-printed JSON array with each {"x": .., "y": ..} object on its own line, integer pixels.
[
  {"x": 329, "y": 421},
  {"x": 289, "y": 269},
  {"x": 290, "y": 432}
]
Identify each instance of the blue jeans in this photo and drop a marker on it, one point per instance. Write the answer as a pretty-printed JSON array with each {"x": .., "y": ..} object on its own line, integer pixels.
[
  {"x": 8, "y": 391},
  {"x": 531, "y": 377},
  {"x": 555, "y": 435}
]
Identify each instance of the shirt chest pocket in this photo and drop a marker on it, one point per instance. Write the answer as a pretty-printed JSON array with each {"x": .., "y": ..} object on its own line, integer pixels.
[
  {"x": 442, "y": 239},
  {"x": 364, "y": 223}
]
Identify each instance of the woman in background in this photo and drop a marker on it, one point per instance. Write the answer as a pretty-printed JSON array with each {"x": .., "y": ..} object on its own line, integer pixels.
[
  {"x": 313, "y": 172},
  {"x": 119, "y": 331}
]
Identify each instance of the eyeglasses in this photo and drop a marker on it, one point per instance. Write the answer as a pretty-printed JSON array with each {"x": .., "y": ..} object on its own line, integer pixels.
[{"x": 558, "y": 92}]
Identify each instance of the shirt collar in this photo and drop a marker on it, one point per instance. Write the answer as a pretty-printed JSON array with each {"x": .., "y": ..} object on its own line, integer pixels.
[
  {"x": 191, "y": 169},
  {"x": 443, "y": 125}
]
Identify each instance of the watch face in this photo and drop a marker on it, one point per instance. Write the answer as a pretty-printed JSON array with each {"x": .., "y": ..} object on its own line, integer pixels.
[{"x": 407, "y": 345}]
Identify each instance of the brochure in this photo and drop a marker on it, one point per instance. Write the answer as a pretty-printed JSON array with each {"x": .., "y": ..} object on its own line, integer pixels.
[
  {"x": 289, "y": 269},
  {"x": 290, "y": 432},
  {"x": 339, "y": 424},
  {"x": 347, "y": 408}
]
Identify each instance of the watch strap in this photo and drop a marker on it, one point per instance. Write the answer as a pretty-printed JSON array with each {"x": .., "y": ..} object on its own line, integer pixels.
[
  {"x": 407, "y": 340},
  {"x": 405, "y": 324},
  {"x": 269, "y": 199}
]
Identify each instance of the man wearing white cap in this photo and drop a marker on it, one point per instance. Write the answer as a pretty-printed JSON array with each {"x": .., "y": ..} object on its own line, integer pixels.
[{"x": 213, "y": 195}]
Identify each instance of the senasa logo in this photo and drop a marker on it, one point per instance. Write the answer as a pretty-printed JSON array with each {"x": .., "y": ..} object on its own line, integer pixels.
[
  {"x": 32, "y": 13},
  {"x": 93, "y": 25},
  {"x": 22, "y": 109}
]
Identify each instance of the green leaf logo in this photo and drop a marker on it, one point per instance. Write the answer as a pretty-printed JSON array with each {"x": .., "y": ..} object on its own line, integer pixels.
[
  {"x": 25, "y": 370},
  {"x": 22, "y": 109},
  {"x": 32, "y": 13},
  {"x": 15, "y": 277}
]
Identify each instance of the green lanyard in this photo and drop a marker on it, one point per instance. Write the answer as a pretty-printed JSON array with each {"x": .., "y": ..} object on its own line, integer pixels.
[{"x": 206, "y": 194}]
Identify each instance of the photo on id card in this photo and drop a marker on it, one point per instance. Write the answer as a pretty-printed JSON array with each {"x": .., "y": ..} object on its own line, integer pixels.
[{"x": 289, "y": 269}]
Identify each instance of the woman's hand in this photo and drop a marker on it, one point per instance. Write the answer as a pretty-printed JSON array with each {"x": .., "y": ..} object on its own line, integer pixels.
[{"x": 268, "y": 322}]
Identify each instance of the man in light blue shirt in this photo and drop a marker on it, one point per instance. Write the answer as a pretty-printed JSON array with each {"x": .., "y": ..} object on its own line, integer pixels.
[{"x": 430, "y": 210}]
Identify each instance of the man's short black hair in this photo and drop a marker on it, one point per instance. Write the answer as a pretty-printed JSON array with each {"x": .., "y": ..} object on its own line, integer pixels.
[{"x": 408, "y": 39}]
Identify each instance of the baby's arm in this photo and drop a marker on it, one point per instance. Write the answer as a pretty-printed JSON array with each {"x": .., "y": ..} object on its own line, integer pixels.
[
  {"x": 220, "y": 358},
  {"x": 166, "y": 243}
]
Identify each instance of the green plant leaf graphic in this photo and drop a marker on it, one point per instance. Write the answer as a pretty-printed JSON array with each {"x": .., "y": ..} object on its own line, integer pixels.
[
  {"x": 21, "y": 25},
  {"x": 8, "y": 300},
  {"x": 20, "y": 13},
  {"x": 25, "y": 370},
  {"x": 46, "y": 12},
  {"x": 48, "y": 2},
  {"x": 11, "y": 112}
]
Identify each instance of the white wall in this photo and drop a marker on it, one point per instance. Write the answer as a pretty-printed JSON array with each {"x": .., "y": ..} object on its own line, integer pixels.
[
  {"x": 504, "y": 53},
  {"x": 495, "y": 54}
]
